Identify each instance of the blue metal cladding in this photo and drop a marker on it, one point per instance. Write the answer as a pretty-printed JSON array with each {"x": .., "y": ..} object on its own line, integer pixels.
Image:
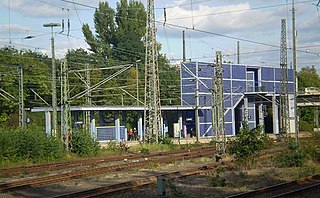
[
  {"x": 205, "y": 116},
  {"x": 290, "y": 75},
  {"x": 236, "y": 99},
  {"x": 228, "y": 116},
  {"x": 184, "y": 72},
  {"x": 208, "y": 83},
  {"x": 290, "y": 88},
  {"x": 205, "y": 100},
  {"x": 226, "y": 71},
  {"x": 268, "y": 86},
  {"x": 188, "y": 89},
  {"x": 228, "y": 128},
  {"x": 238, "y": 86},
  {"x": 277, "y": 87},
  {"x": 239, "y": 72},
  {"x": 227, "y": 100},
  {"x": 267, "y": 73},
  {"x": 205, "y": 70},
  {"x": 277, "y": 74},
  {"x": 204, "y": 128},
  {"x": 188, "y": 99},
  {"x": 226, "y": 86}
]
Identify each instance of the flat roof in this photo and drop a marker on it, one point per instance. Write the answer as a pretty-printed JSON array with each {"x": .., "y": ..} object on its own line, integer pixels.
[{"x": 118, "y": 108}]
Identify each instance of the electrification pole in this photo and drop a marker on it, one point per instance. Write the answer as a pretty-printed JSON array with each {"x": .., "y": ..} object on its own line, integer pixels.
[
  {"x": 65, "y": 106},
  {"x": 22, "y": 118},
  {"x": 218, "y": 125},
  {"x": 152, "y": 111},
  {"x": 88, "y": 97},
  {"x": 294, "y": 31},
  {"x": 54, "y": 87},
  {"x": 284, "y": 102}
]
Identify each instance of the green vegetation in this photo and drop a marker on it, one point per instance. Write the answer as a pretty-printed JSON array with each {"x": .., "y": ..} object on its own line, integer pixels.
[
  {"x": 293, "y": 157},
  {"x": 307, "y": 77},
  {"x": 247, "y": 144},
  {"x": 216, "y": 179},
  {"x": 83, "y": 145},
  {"x": 29, "y": 145}
]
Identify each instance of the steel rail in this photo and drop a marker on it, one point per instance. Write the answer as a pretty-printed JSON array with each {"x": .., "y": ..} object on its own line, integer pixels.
[
  {"x": 278, "y": 189},
  {"x": 112, "y": 189},
  {"x": 102, "y": 170},
  {"x": 84, "y": 162}
]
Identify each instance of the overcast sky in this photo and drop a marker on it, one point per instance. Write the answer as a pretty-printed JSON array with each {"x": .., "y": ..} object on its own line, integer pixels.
[{"x": 210, "y": 25}]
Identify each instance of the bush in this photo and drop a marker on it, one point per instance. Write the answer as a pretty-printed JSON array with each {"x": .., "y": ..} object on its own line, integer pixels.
[
  {"x": 28, "y": 144},
  {"x": 247, "y": 144},
  {"x": 145, "y": 151},
  {"x": 165, "y": 140},
  {"x": 306, "y": 126},
  {"x": 293, "y": 157},
  {"x": 83, "y": 145},
  {"x": 216, "y": 180}
]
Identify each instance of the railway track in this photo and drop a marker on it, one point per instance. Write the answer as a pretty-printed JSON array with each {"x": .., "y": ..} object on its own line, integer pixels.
[
  {"x": 297, "y": 188},
  {"x": 44, "y": 168},
  {"x": 109, "y": 190},
  {"x": 164, "y": 158}
]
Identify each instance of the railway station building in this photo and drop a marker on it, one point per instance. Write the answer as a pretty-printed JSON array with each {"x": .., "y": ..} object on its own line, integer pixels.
[{"x": 251, "y": 94}]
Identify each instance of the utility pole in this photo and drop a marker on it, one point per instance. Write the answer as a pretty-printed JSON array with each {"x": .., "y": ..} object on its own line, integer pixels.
[
  {"x": 218, "y": 126},
  {"x": 197, "y": 104},
  {"x": 22, "y": 117},
  {"x": 152, "y": 111},
  {"x": 183, "y": 46},
  {"x": 294, "y": 31},
  {"x": 54, "y": 87},
  {"x": 88, "y": 97},
  {"x": 137, "y": 77},
  {"x": 65, "y": 106},
  {"x": 284, "y": 102}
]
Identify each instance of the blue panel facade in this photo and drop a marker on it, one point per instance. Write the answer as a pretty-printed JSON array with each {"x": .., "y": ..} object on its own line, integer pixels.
[
  {"x": 268, "y": 86},
  {"x": 236, "y": 80},
  {"x": 277, "y": 74},
  {"x": 228, "y": 116},
  {"x": 226, "y": 86},
  {"x": 238, "y": 72},
  {"x": 238, "y": 86},
  {"x": 228, "y": 128},
  {"x": 267, "y": 73},
  {"x": 226, "y": 72},
  {"x": 227, "y": 100}
]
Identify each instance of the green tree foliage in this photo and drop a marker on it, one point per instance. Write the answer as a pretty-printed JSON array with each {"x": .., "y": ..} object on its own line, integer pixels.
[
  {"x": 119, "y": 34},
  {"x": 307, "y": 77},
  {"x": 35, "y": 77}
]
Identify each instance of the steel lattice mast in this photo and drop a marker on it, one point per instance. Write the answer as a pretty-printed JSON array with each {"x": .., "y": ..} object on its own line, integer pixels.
[
  {"x": 65, "y": 106},
  {"x": 152, "y": 112},
  {"x": 218, "y": 126},
  {"x": 284, "y": 102}
]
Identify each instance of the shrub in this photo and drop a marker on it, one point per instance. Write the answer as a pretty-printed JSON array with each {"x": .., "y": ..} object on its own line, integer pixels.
[
  {"x": 28, "y": 144},
  {"x": 83, "y": 145},
  {"x": 216, "y": 180},
  {"x": 165, "y": 140},
  {"x": 293, "y": 157},
  {"x": 247, "y": 144}
]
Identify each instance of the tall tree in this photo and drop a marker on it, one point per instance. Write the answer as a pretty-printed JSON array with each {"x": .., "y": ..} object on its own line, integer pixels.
[{"x": 308, "y": 77}]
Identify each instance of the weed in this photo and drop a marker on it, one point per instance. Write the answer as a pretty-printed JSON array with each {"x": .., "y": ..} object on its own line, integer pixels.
[
  {"x": 145, "y": 151},
  {"x": 216, "y": 180}
]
